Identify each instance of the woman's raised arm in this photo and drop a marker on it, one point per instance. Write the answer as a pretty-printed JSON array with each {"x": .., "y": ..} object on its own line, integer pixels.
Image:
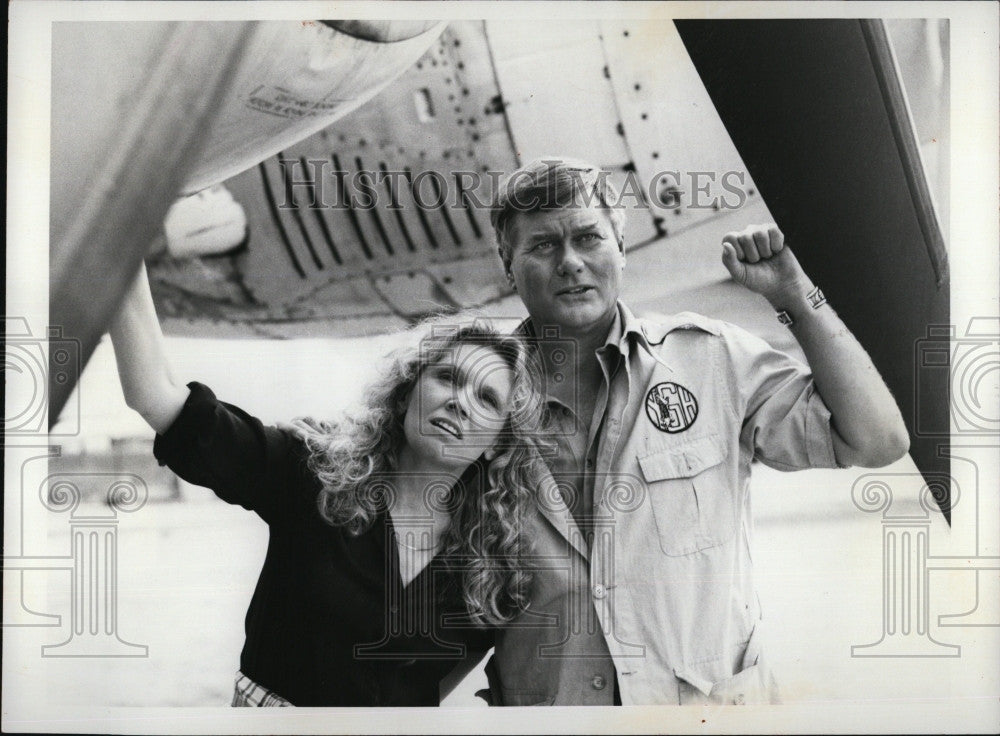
[{"x": 145, "y": 375}]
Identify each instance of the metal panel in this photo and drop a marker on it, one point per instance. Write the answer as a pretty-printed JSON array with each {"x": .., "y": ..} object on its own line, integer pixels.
[
  {"x": 679, "y": 146},
  {"x": 569, "y": 109},
  {"x": 316, "y": 228}
]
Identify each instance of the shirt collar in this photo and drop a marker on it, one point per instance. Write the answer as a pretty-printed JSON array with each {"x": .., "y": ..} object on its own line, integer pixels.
[
  {"x": 617, "y": 331},
  {"x": 625, "y": 323},
  {"x": 630, "y": 328},
  {"x": 634, "y": 328},
  {"x": 627, "y": 328},
  {"x": 620, "y": 326}
]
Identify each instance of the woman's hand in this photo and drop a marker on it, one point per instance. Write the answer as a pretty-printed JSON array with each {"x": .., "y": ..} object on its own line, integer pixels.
[{"x": 304, "y": 427}]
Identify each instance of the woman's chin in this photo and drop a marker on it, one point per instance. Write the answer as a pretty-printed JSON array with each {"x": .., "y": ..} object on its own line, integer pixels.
[{"x": 434, "y": 451}]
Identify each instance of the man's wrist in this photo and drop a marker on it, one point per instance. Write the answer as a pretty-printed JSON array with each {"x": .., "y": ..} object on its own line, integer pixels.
[
  {"x": 793, "y": 305},
  {"x": 791, "y": 297}
]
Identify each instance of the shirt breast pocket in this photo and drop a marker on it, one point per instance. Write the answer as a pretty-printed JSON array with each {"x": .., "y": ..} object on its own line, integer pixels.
[{"x": 689, "y": 490}]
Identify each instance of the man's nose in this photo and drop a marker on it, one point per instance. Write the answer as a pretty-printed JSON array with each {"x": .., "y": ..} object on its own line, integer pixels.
[{"x": 569, "y": 261}]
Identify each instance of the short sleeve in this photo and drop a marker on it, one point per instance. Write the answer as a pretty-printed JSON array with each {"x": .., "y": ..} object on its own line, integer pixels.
[
  {"x": 785, "y": 421},
  {"x": 221, "y": 447}
]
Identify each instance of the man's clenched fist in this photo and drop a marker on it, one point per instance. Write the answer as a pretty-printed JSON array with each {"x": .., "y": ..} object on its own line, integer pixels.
[{"x": 758, "y": 258}]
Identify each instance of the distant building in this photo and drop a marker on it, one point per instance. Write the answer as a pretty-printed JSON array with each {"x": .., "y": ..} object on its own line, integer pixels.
[{"x": 125, "y": 456}]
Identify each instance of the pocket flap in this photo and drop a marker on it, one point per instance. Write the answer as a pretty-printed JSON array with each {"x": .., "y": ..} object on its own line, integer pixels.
[
  {"x": 683, "y": 461},
  {"x": 696, "y": 681}
]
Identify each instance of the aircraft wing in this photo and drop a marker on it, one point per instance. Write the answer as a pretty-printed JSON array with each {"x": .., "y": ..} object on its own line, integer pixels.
[{"x": 818, "y": 111}]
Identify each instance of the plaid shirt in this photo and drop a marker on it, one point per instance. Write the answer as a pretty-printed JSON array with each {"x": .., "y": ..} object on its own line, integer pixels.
[{"x": 249, "y": 694}]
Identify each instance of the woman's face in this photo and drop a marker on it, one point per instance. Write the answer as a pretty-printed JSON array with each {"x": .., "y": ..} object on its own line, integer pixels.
[{"x": 458, "y": 406}]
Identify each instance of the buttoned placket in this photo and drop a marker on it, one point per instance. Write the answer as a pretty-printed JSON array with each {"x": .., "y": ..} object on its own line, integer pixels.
[
  {"x": 561, "y": 424},
  {"x": 602, "y": 438},
  {"x": 569, "y": 422},
  {"x": 563, "y": 421},
  {"x": 625, "y": 654},
  {"x": 616, "y": 399},
  {"x": 602, "y": 448}
]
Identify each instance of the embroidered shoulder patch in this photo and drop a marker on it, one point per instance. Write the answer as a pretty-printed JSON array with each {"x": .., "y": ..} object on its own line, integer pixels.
[{"x": 671, "y": 407}]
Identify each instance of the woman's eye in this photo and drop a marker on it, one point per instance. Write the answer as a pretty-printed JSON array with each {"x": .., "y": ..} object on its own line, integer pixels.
[
  {"x": 488, "y": 399},
  {"x": 588, "y": 237}
]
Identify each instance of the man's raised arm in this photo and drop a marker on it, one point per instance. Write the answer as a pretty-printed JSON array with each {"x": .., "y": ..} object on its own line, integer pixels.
[{"x": 868, "y": 429}]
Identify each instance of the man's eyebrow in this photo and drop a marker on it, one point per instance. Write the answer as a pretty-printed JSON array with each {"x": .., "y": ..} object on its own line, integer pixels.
[
  {"x": 542, "y": 235},
  {"x": 555, "y": 233}
]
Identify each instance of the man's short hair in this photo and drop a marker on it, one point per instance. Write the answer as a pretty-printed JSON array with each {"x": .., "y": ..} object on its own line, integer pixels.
[{"x": 551, "y": 183}]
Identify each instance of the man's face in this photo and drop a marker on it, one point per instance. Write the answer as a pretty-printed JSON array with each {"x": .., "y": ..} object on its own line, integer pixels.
[{"x": 566, "y": 265}]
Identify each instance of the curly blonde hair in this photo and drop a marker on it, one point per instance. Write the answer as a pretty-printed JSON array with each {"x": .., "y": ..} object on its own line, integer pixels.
[{"x": 486, "y": 538}]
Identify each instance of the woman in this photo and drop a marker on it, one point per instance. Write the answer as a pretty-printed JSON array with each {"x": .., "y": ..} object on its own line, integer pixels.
[{"x": 394, "y": 535}]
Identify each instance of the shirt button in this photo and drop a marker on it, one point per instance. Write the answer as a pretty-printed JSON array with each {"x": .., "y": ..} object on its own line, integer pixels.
[
  {"x": 600, "y": 591},
  {"x": 598, "y": 682},
  {"x": 740, "y": 699}
]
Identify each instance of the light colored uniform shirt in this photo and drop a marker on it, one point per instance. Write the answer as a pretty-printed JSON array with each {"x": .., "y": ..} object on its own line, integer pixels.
[{"x": 656, "y": 586}]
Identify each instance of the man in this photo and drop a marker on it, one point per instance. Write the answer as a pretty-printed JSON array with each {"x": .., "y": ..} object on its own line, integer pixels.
[{"x": 642, "y": 590}]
